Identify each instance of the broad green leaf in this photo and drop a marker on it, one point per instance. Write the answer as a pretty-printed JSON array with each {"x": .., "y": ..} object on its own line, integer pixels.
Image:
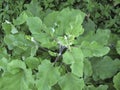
[
  {"x": 47, "y": 75},
  {"x": 34, "y": 8},
  {"x": 9, "y": 28},
  {"x": 89, "y": 25},
  {"x": 74, "y": 57},
  {"x": 21, "y": 19},
  {"x": 100, "y": 87},
  {"x": 3, "y": 53},
  {"x": 104, "y": 68},
  {"x": 113, "y": 39},
  {"x": 8, "y": 39},
  {"x": 34, "y": 24},
  {"x": 14, "y": 43},
  {"x": 118, "y": 47},
  {"x": 6, "y": 27},
  {"x": 45, "y": 42},
  {"x": 13, "y": 82},
  {"x": 71, "y": 82},
  {"x": 73, "y": 25},
  {"x": 51, "y": 17},
  {"x": 16, "y": 66},
  {"x": 116, "y": 81},
  {"x": 68, "y": 21},
  {"x": 32, "y": 62},
  {"x": 20, "y": 45},
  {"x": 101, "y": 36},
  {"x": 16, "y": 77},
  {"x": 17, "y": 40},
  {"x": 93, "y": 49},
  {"x": 87, "y": 68}
]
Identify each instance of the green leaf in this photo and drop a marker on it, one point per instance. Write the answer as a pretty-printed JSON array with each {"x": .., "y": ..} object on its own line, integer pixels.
[
  {"x": 116, "y": 81},
  {"x": 101, "y": 36},
  {"x": 16, "y": 66},
  {"x": 14, "y": 30},
  {"x": 89, "y": 25},
  {"x": 17, "y": 40},
  {"x": 3, "y": 64},
  {"x": 47, "y": 75},
  {"x": 34, "y": 24},
  {"x": 93, "y": 49},
  {"x": 73, "y": 24},
  {"x": 45, "y": 42},
  {"x": 118, "y": 47},
  {"x": 55, "y": 27},
  {"x": 75, "y": 58},
  {"x": 87, "y": 68},
  {"x": 9, "y": 28},
  {"x": 8, "y": 39},
  {"x": 17, "y": 43},
  {"x": 34, "y": 8},
  {"x": 16, "y": 77},
  {"x": 51, "y": 17},
  {"x": 71, "y": 82},
  {"x": 32, "y": 62},
  {"x": 11, "y": 82},
  {"x": 6, "y": 27},
  {"x": 3, "y": 53},
  {"x": 21, "y": 19},
  {"x": 34, "y": 49},
  {"x": 72, "y": 19},
  {"x": 37, "y": 29},
  {"x": 20, "y": 45},
  {"x": 105, "y": 68}
]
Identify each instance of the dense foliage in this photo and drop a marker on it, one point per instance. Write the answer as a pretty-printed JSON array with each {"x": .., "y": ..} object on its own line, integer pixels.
[{"x": 59, "y": 45}]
